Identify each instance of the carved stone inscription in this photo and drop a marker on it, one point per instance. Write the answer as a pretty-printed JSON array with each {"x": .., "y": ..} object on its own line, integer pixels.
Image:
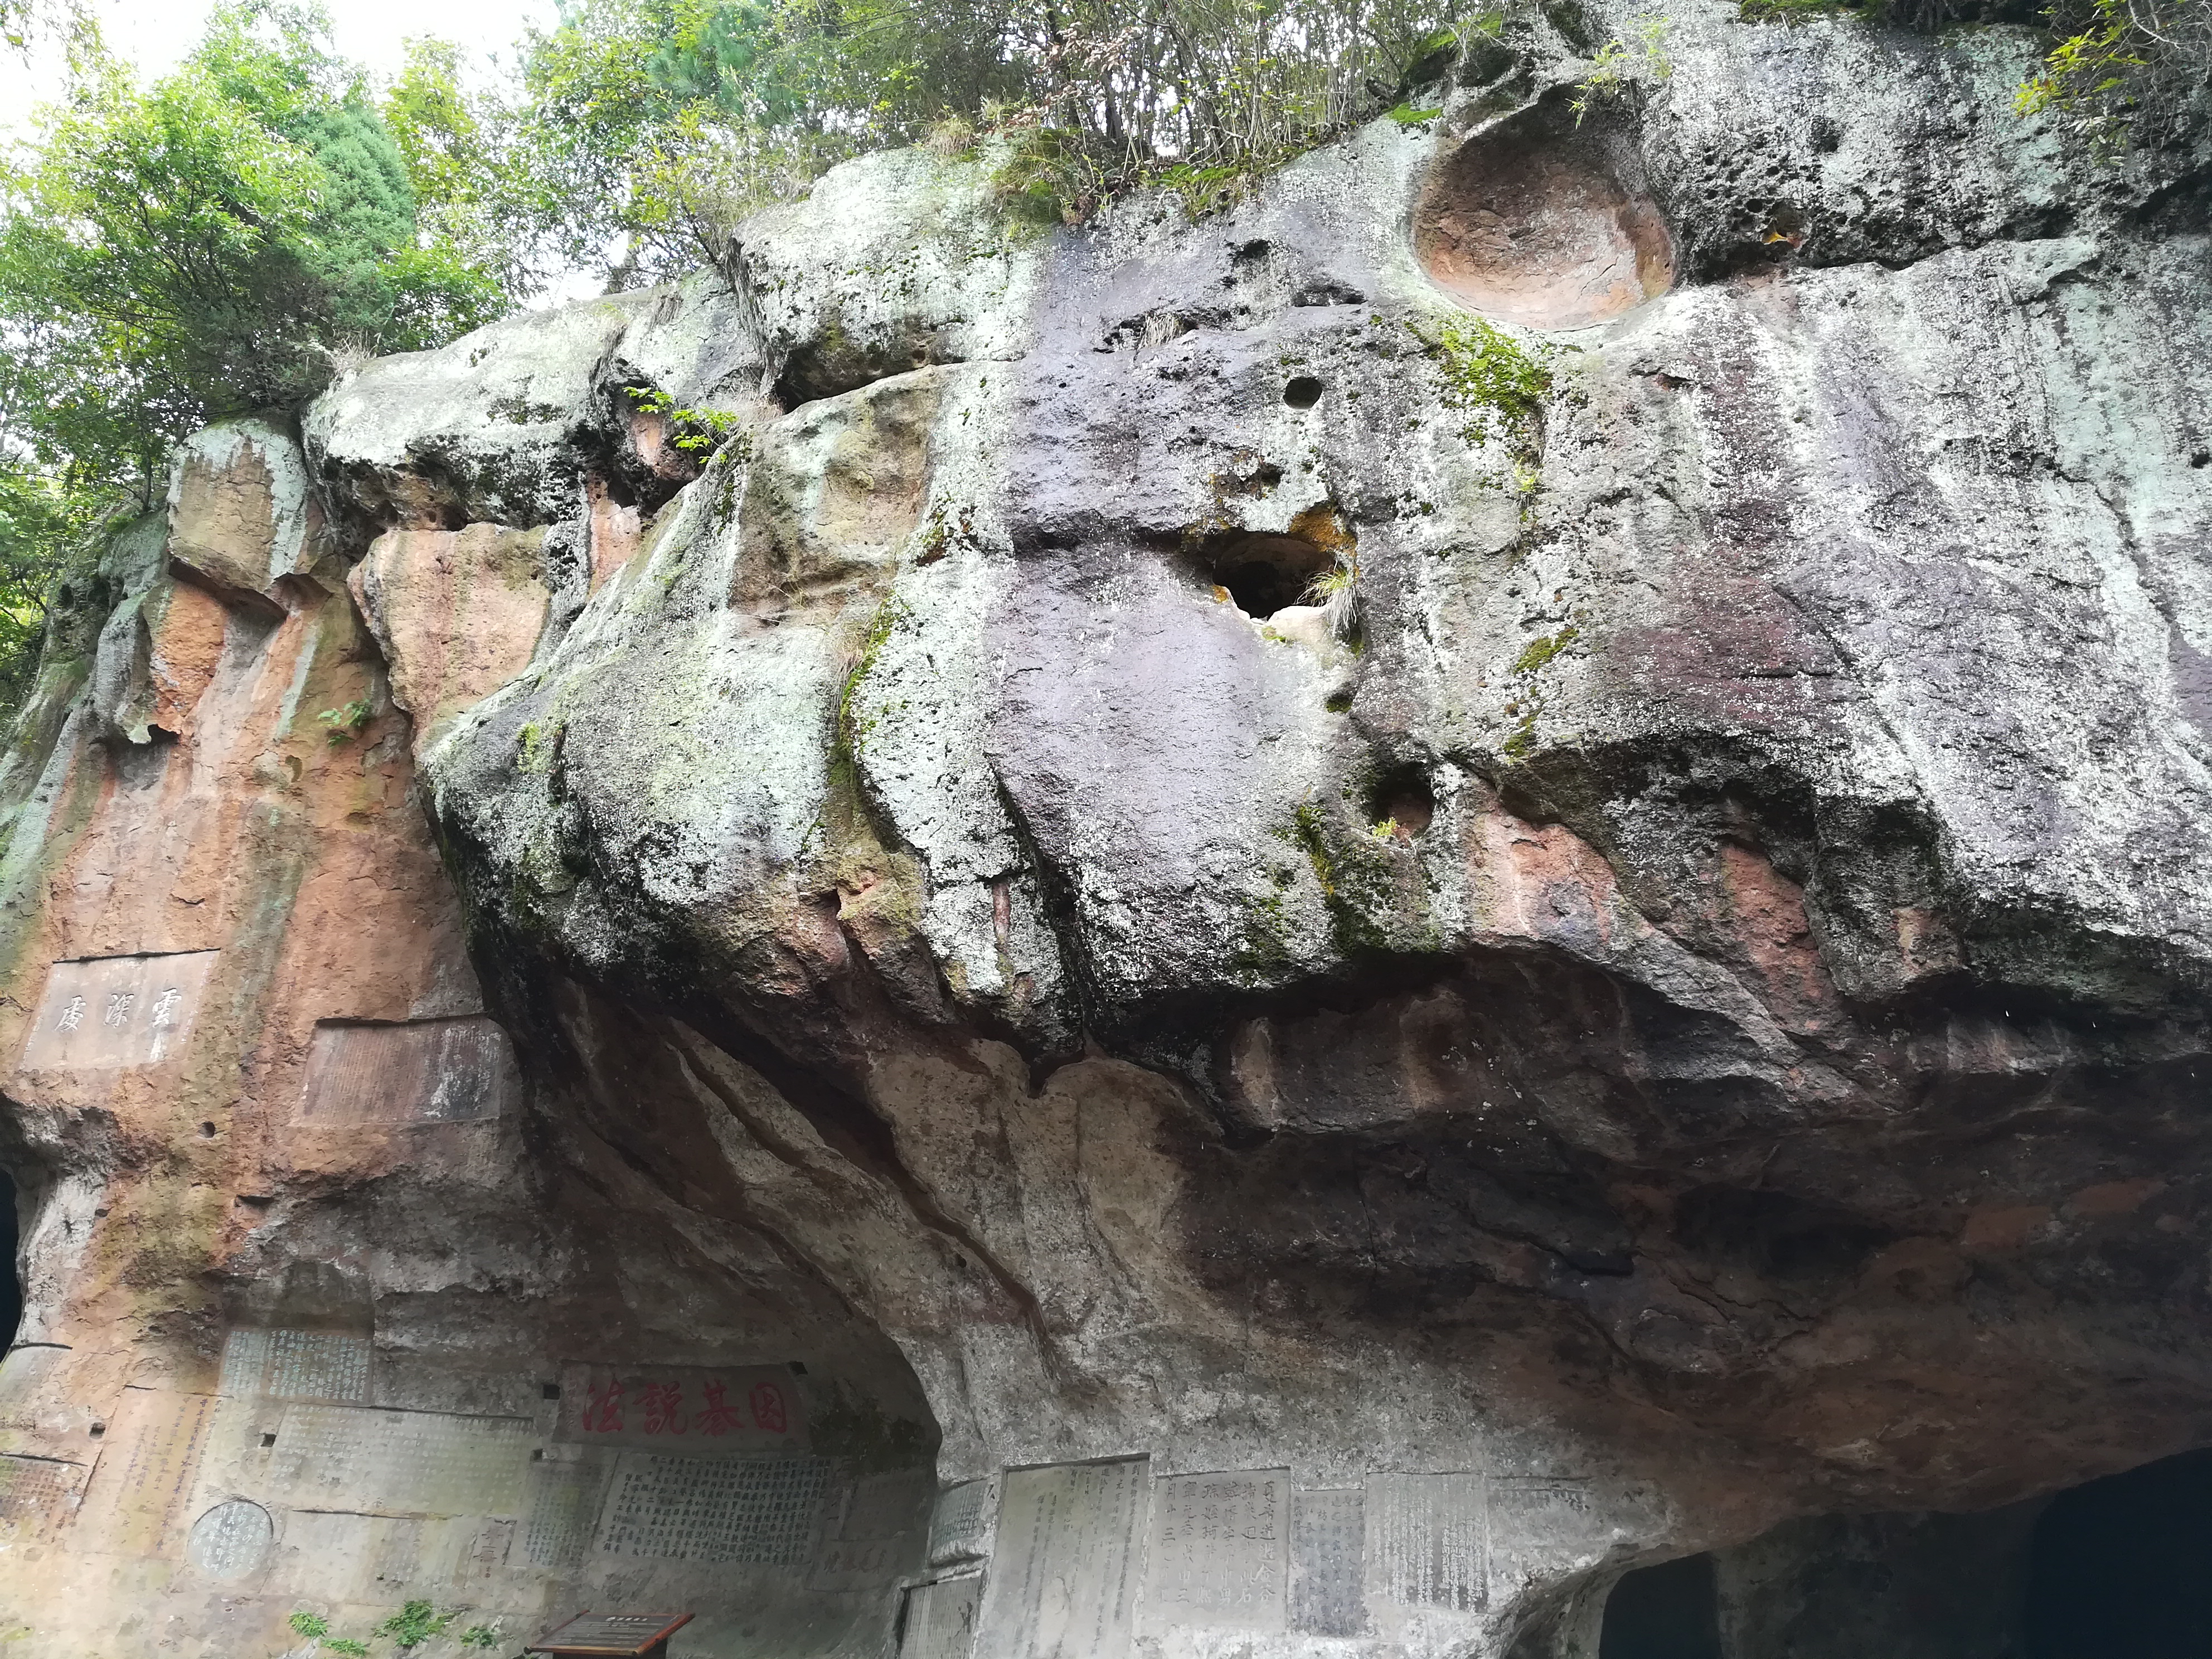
[
  {"x": 961, "y": 1529},
  {"x": 146, "y": 1472},
  {"x": 940, "y": 1618},
  {"x": 231, "y": 1540},
  {"x": 400, "y": 1462},
  {"x": 1219, "y": 1556},
  {"x": 103, "y": 1013},
  {"x": 1428, "y": 1542},
  {"x": 284, "y": 1364},
  {"x": 35, "y": 1492},
  {"x": 1328, "y": 1577},
  {"x": 424, "y": 1071},
  {"x": 761, "y": 1511},
  {"x": 564, "y": 1507},
  {"x": 745, "y": 1408},
  {"x": 1063, "y": 1575}
]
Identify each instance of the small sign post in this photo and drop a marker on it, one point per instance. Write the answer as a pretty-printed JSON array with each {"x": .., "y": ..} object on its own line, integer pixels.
[{"x": 634, "y": 1635}]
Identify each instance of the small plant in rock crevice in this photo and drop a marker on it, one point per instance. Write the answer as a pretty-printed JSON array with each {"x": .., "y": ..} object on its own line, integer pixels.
[
  {"x": 1621, "y": 66},
  {"x": 343, "y": 725},
  {"x": 698, "y": 433},
  {"x": 417, "y": 1621}
]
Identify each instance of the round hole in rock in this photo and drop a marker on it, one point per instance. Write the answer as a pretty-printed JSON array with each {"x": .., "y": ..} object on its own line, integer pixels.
[
  {"x": 1403, "y": 797},
  {"x": 1671, "y": 1611},
  {"x": 1263, "y": 574},
  {"x": 1303, "y": 393},
  {"x": 1543, "y": 224},
  {"x": 2118, "y": 1568}
]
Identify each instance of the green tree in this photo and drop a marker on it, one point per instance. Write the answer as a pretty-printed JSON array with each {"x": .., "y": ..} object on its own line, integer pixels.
[{"x": 206, "y": 246}]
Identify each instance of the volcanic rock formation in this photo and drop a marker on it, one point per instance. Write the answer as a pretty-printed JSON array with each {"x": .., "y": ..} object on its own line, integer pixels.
[{"x": 1286, "y": 935}]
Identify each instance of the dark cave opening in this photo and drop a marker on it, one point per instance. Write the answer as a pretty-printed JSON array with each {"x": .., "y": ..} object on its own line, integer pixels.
[
  {"x": 1264, "y": 574},
  {"x": 2121, "y": 1568},
  {"x": 1671, "y": 1611},
  {"x": 11, "y": 1283}
]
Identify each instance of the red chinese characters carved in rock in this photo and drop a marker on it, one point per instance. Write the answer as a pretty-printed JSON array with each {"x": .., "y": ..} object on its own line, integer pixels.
[
  {"x": 769, "y": 1415},
  {"x": 604, "y": 1415},
  {"x": 663, "y": 1405}
]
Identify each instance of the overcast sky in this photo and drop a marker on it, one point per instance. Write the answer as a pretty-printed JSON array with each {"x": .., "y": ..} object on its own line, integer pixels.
[{"x": 155, "y": 33}]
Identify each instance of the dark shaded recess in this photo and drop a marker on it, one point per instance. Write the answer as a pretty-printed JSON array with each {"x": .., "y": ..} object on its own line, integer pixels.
[
  {"x": 2122, "y": 1567},
  {"x": 1403, "y": 795},
  {"x": 11, "y": 1283},
  {"x": 1303, "y": 391},
  {"x": 1668, "y": 1612},
  {"x": 1263, "y": 574}
]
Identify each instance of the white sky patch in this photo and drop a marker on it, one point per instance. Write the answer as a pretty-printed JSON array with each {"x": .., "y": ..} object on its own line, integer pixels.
[{"x": 154, "y": 34}]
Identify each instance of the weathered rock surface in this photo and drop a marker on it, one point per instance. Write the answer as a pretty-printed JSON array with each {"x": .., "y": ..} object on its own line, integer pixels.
[{"x": 594, "y": 1027}]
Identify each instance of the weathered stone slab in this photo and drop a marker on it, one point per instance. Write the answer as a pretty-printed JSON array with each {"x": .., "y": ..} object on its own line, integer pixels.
[
  {"x": 36, "y": 1495},
  {"x": 400, "y": 1462},
  {"x": 293, "y": 1364},
  {"x": 1219, "y": 1558},
  {"x": 1427, "y": 1547},
  {"x": 1328, "y": 1576},
  {"x": 137, "y": 1495},
  {"x": 424, "y": 1071},
  {"x": 760, "y": 1511},
  {"x": 107, "y": 1013},
  {"x": 565, "y": 1493},
  {"x": 960, "y": 1530},
  {"x": 938, "y": 1622},
  {"x": 692, "y": 1410},
  {"x": 1063, "y": 1577}
]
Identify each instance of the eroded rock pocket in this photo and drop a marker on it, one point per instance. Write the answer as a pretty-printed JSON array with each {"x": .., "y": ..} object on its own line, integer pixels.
[{"x": 1541, "y": 223}]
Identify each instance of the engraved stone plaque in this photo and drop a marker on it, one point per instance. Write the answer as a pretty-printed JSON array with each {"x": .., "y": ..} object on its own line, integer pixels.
[
  {"x": 564, "y": 1509},
  {"x": 761, "y": 1511},
  {"x": 886, "y": 1505},
  {"x": 939, "y": 1620},
  {"x": 961, "y": 1529},
  {"x": 146, "y": 1471},
  {"x": 1328, "y": 1576},
  {"x": 287, "y": 1364},
  {"x": 35, "y": 1493},
  {"x": 422, "y": 1070},
  {"x": 691, "y": 1410},
  {"x": 1063, "y": 1578},
  {"x": 1219, "y": 1556},
  {"x": 231, "y": 1540},
  {"x": 104, "y": 1012},
  {"x": 1428, "y": 1543},
  {"x": 395, "y": 1462}
]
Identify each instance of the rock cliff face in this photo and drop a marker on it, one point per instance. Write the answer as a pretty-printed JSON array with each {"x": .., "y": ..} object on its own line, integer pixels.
[{"x": 1280, "y": 936}]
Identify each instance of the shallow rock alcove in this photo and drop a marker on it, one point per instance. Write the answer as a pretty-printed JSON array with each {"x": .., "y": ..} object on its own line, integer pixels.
[{"x": 1543, "y": 223}]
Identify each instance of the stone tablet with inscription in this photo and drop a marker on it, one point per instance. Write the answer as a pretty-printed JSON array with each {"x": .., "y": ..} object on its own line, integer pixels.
[
  {"x": 1428, "y": 1545},
  {"x": 146, "y": 1469},
  {"x": 939, "y": 1621},
  {"x": 691, "y": 1410},
  {"x": 755, "y": 1511},
  {"x": 960, "y": 1529},
  {"x": 424, "y": 1071},
  {"x": 290, "y": 1365},
  {"x": 1220, "y": 1552},
  {"x": 104, "y": 1012},
  {"x": 400, "y": 1463},
  {"x": 1062, "y": 1583},
  {"x": 1329, "y": 1562}
]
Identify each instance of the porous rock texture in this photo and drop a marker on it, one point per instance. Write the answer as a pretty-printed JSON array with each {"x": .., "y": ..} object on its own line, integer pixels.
[{"x": 1668, "y": 1015}]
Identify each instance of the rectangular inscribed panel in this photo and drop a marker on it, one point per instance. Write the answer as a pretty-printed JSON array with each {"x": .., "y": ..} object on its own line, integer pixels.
[
  {"x": 419, "y": 1071},
  {"x": 940, "y": 1618},
  {"x": 693, "y": 1410},
  {"x": 135, "y": 1502},
  {"x": 1218, "y": 1556},
  {"x": 1063, "y": 1577},
  {"x": 392, "y": 1462},
  {"x": 290, "y": 1365},
  {"x": 1428, "y": 1542},
  {"x": 757, "y": 1511},
  {"x": 102, "y": 1013},
  {"x": 1328, "y": 1576}
]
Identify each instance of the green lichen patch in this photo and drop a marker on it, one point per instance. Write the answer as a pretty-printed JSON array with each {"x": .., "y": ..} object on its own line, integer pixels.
[{"x": 1500, "y": 385}]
